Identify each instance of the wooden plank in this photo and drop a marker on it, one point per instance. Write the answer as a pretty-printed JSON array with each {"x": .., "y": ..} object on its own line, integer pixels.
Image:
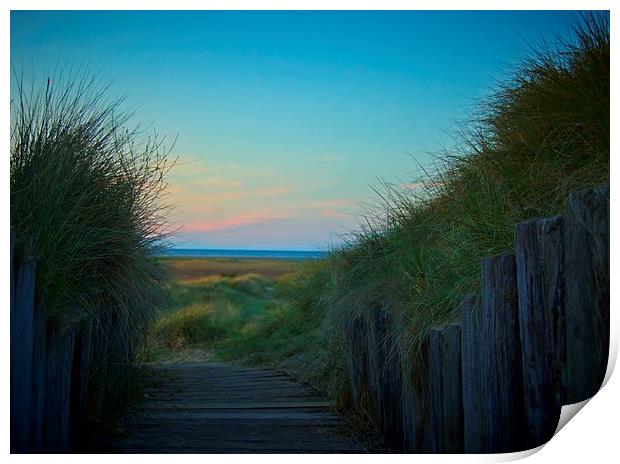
[
  {"x": 21, "y": 354},
  {"x": 434, "y": 410},
  {"x": 285, "y": 405},
  {"x": 39, "y": 384},
  {"x": 276, "y": 416},
  {"x": 81, "y": 426},
  {"x": 444, "y": 410},
  {"x": 586, "y": 259},
  {"x": 503, "y": 401},
  {"x": 539, "y": 259},
  {"x": 60, "y": 348},
  {"x": 452, "y": 407},
  {"x": 413, "y": 417},
  {"x": 206, "y": 420},
  {"x": 229, "y": 398},
  {"x": 390, "y": 377},
  {"x": 473, "y": 374}
]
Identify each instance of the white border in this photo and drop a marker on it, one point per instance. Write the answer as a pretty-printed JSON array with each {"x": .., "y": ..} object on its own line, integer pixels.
[{"x": 590, "y": 437}]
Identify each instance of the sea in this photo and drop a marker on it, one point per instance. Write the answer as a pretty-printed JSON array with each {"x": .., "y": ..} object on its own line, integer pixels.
[{"x": 209, "y": 253}]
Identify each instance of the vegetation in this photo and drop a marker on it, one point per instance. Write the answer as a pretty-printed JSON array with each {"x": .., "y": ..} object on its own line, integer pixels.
[
  {"x": 538, "y": 136},
  {"x": 227, "y": 310},
  {"x": 85, "y": 194}
]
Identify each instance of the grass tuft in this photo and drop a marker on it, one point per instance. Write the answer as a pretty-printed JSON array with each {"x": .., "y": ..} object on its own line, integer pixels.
[{"x": 87, "y": 190}]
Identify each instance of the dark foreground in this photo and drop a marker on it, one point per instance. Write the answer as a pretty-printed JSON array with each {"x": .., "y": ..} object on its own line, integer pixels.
[{"x": 210, "y": 407}]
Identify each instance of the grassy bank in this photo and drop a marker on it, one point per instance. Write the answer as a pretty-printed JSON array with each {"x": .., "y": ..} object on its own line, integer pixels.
[
  {"x": 538, "y": 136},
  {"x": 86, "y": 202}
]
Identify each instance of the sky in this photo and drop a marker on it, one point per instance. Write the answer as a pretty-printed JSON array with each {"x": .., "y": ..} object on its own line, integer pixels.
[{"x": 287, "y": 120}]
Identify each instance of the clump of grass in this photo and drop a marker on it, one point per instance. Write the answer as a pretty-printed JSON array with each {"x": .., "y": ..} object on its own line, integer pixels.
[
  {"x": 538, "y": 136},
  {"x": 206, "y": 313},
  {"x": 193, "y": 325},
  {"x": 87, "y": 191}
]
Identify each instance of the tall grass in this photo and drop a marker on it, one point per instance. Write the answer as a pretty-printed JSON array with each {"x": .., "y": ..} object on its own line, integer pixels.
[
  {"x": 538, "y": 136},
  {"x": 86, "y": 189}
]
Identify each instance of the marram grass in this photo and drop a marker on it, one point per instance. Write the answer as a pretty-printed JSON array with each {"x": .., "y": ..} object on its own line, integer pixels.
[
  {"x": 86, "y": 192},
  {"x": 539, "y": 135}
]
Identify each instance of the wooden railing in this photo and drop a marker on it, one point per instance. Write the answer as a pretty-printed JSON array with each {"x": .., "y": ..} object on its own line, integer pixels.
[
  {"x": 55, "y": 404},
  {"x": 495, "y": 381}
]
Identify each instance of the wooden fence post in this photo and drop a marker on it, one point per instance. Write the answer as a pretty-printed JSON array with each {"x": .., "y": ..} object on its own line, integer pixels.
[
  {"x": 81, "y": 372},
  {"x": 539, "y": 256},
  {"x": 452, "y": 388},
  {"x": 60, "y": 349},
  {"x": 21, "y": 353},
  {"x": 412, "y": 416},
  {"x": 434, "y": 390},
  {"x": 474, "y": 380},
  {"x": 393, "y": 379},
  {"x": 503, "y": 403},
  {"x": 586, "y": 259},
  {"x": 444, "y": 393},
  {"x": 39, "y": 377}
]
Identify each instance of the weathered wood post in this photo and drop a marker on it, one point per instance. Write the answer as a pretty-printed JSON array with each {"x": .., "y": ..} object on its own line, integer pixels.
[
  {"x": 475, "y": 384},
  {"x": 452, "y": 389},
  {"x": 80, "y": 383},
  {"x": 586, "y": 259},
  {"x": 384, "y": 374},
  {"x": 539, "y": 257},
  {"x": 434, "y": 391},
  {"x": 412, "y": 415},
  {"x": 39, "y": 378},
  {"x": 503, "y": 404},
  {"x": 393, "y": 377},
  {"x": 444, "y": 392},
  {"x": 60, "y": 348},
  {"x": 22, "y": 344}
]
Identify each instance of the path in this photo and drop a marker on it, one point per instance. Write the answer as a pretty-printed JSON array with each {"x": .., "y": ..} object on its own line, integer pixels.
[{"x": 210, "y": 407}]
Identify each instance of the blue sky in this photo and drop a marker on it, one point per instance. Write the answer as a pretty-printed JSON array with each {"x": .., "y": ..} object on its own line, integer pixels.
[{"x": 286, "y": 119}]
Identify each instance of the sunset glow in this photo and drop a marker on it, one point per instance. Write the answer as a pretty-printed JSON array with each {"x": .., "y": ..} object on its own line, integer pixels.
[{"x": 285, "y": 120}]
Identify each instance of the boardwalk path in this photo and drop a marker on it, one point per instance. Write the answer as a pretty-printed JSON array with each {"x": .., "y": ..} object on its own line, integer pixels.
[{"x": 209, "y": 407}]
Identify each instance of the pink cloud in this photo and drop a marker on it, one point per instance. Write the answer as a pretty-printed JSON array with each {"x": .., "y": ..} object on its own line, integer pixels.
[
  {"x": 242, "y": 220},
  {"x": 333, "y": 213}
]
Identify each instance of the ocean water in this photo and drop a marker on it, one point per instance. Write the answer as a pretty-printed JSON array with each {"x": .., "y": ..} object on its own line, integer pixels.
[{"x": 208, "y": 253}]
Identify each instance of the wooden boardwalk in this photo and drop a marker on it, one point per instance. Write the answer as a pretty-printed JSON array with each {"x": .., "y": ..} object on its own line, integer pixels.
[{"x": 209, "y": 407}]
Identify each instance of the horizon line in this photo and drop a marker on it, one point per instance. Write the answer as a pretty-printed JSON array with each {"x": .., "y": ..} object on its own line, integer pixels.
[{"x": 248, "y": 249}]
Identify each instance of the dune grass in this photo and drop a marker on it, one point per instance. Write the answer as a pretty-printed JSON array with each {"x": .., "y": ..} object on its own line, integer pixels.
[
  {"x": 538, "y": 136},
  {"x": 220, "y": 305},
  {"x": 86, "y": 196}
]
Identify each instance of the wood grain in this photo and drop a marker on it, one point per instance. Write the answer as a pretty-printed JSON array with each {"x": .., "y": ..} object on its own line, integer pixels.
[
  {"x": 213, "y": 407},
  {"x": 586, "y": 256},
  {"x": 539, "y": 258}
]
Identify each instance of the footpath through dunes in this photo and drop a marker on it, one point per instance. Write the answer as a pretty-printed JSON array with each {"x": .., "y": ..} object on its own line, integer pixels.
[{"x": 211, "y": 407}]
